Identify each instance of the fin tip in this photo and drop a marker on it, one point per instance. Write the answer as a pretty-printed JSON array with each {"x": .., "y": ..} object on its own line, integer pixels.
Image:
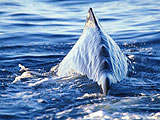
[{"x": 91, "y": 20}]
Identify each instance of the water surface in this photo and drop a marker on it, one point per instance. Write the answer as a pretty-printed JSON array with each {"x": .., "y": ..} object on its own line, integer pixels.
[{"x": 39, "y": 33}]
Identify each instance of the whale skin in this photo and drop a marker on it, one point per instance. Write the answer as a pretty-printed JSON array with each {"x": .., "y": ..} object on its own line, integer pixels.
[{"x": 95, "y": 55}]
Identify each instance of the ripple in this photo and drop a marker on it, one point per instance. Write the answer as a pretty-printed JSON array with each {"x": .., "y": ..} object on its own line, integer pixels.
[
  {"x": 108, "y": 19},
  {"x": 21, "y": 14},
  {"x": 38, "y": 19},
  {"x": 9, "y": 4},
  {"x": 2, "y": 12}
]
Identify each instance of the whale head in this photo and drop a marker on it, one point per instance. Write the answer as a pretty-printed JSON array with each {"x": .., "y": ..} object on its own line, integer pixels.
[{"x": 95, "y": 55}]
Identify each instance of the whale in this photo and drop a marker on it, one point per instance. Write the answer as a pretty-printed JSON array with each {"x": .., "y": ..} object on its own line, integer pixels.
[{"x": 95, "y": 55}]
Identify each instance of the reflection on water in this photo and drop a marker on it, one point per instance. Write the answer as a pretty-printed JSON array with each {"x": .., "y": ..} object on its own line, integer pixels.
[{"x": 38, "y": 34}]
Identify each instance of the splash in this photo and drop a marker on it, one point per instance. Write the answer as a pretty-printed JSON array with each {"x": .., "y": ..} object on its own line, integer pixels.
[{"x": 27, "y": 73}]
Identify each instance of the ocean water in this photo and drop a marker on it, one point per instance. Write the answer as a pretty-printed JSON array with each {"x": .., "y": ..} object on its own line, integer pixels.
[{"x": 36, "y": 35}]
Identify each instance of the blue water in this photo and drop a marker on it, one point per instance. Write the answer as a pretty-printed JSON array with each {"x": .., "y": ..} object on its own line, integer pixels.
[{"x": 39, "y": 33}]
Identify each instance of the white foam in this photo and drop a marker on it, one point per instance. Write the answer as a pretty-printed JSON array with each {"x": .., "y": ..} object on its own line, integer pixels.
[
  {"x": 102, "y": 115},
  {"x": 27, "y": 74},
  {"x": 23, "y": 68},
  {"x": 38, "y": 82}
]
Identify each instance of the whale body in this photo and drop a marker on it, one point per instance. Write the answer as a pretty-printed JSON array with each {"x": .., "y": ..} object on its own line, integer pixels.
[{"x": 95, "y": 55}]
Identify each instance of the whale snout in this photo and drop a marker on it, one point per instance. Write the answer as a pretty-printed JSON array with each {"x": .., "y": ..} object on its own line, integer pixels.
[
  {"x": 105, "y": 86},
  {"x": 105, "y": 83}
]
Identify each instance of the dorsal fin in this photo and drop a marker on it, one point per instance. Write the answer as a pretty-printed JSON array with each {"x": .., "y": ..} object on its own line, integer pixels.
[{"x": 91, "y": 20}]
